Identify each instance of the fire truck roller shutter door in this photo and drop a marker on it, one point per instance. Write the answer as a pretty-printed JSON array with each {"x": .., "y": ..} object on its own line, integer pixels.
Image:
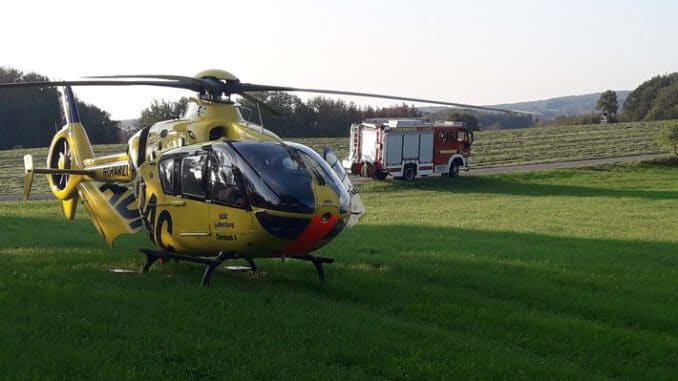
[
  {"x": 394, "y": 149},
  {"x": 426, "y": 148},
  {"x": 411, "y": 147}
]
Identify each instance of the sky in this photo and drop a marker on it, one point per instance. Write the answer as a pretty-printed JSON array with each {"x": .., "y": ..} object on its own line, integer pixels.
[{"x": 478, "y": 52}]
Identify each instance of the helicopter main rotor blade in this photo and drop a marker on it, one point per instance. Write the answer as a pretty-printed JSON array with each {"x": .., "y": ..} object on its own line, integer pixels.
[
  {"x": 148, "y": 76},
  {"x": 256, "y": 87},
  {"x": 216, "y": 87},
  {"x": 179, "y": 78},
  {"x": 173, "y": 84}
]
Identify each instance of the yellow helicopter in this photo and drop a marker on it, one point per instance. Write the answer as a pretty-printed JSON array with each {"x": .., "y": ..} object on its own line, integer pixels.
[{"x": 209, "y": 187}]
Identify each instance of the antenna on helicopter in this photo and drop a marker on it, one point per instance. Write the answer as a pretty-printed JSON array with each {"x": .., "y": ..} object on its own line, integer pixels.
[{"x": 261, "y": 117}]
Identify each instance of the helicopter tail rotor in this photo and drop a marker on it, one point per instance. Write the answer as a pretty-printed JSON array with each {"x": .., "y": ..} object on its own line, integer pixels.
[{"x": 67, "y": 152}]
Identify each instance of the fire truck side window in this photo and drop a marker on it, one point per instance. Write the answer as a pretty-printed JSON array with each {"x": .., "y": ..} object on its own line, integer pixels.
[
  {"x": 452, "y": 136},
  {"x": 192, "y": 175}
]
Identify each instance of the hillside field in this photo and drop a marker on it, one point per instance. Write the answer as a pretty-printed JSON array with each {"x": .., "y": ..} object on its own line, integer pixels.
[
  {"x": 491, "y": 148},
  {"x": 558, "y": 275}
]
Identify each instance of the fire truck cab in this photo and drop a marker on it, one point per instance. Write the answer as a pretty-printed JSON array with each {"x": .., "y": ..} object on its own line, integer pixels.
[{"x": 405, "y": 148}]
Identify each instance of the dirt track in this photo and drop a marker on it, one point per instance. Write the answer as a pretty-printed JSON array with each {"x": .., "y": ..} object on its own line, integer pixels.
[
  {"x": 540, "y": 166},
  {"x": 472, "y": 172}
]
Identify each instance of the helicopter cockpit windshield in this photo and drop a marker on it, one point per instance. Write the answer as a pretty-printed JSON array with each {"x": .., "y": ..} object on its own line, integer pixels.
[
  {"x": 274, "y": 178},
  {"x": 246, "y": 174}
]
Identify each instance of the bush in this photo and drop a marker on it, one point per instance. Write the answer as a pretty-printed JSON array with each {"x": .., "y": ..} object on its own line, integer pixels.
[{"x": 669, "y": 137}]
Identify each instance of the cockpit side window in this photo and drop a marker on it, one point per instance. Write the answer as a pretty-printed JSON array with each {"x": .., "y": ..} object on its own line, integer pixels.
[
  {"x": 225, "y": 186},
  {"x": 166, "y": 170},
  {"x": 321, "y": 168},
  {"x": 193, "y": 181}
]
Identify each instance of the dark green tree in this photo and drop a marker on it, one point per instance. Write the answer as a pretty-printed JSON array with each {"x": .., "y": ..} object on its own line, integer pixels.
[
  {"x": 28, "y": 116},
  {"x": 665, "y": 106},
  {"x": 399, "y": 111},
  {"x": 470, "y": 120},
  {"x": 608, "y": 104},
  {"x": 669, "y": 137},
  {"x": 643, "y": 99},
  {"x": 100, "y": 128},
  {"x": 284, "y": 104},
  {"x": 161, "y": 110}
]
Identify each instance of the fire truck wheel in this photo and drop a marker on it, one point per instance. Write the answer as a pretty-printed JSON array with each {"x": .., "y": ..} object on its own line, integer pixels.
[
  {"x": 355, "y": 169},
  {"x": 409, "y": 173},
  {"x": 370, "y": 171},
  {"x": 379, "y": 175},
  {"x": 454, "y": 169}
]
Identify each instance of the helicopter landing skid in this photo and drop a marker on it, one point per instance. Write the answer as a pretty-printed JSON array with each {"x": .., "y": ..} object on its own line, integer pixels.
[
  {"x": 153, "y": 255},
  {"x": 317, "y": 262}
]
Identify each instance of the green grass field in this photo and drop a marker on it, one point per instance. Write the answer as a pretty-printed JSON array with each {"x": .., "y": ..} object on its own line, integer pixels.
[
  {"x": 569, "y": 274},
  {"x": 491, "y": 148},
  {"x": 550, "y": 144}
]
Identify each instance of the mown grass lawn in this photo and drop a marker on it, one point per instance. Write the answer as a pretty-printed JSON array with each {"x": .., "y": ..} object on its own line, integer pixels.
[{"x": 569, "y": 274}]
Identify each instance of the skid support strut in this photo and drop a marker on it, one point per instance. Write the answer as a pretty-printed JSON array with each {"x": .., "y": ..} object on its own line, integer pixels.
[
  {"x": 211, "y": 262},
  {"x": 317, "y": 262}
]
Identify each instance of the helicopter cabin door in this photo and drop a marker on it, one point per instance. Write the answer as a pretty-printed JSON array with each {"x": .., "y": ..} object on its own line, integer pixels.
[
  {"x": 185, "y": 185},
  {"x": 229, "y": 211}
]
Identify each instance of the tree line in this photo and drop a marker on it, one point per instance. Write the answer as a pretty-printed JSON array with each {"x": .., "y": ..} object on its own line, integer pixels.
[
  {"x": 654, "y": 99},
  {"x": 318, "y": 116},
  {"x": 327, "y": 117},
  {"x": 315, "y": 117},
  {"x": 29, "y": 117}
]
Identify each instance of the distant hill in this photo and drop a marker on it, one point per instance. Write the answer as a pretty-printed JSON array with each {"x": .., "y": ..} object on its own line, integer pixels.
[{"x": 554, "y": 107}]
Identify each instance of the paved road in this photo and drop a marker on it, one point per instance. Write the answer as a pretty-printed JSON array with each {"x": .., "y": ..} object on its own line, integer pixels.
[{"x": 472, "y": 172}]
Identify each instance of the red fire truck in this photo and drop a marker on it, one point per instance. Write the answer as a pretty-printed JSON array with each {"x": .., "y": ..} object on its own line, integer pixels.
[{"x": 405, "y": 148}]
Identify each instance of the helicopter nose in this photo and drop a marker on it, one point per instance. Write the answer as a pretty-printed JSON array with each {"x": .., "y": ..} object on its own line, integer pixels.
[{"x": 318, "y": 230}]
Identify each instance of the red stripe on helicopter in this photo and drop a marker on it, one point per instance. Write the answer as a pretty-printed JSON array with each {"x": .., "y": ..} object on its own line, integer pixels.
[{"x": 314, "y": 233}]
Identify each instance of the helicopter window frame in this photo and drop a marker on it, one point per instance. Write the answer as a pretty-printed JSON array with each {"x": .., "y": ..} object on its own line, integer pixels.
[
  {"x": 203, "y": 180},
  {"x": 175, "y": 158},
  {"x": 213, "y": 164},
  {"x": 167, "y": 174}
]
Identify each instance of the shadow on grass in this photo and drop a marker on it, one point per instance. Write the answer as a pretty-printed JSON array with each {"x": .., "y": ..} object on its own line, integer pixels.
[
  {"x": 392, "y": 248},
  {"x": 558, "y": 300},
  {"x": 395, "y": 254},
  {"x": 368, "y": 240},
  {"x": 503, "y": 186},
  {"x": 51, "y": 233},
  {"x": 660, "y": 162}
]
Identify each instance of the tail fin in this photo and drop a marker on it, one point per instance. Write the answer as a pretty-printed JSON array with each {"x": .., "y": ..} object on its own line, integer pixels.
[{"x": 28, "y": 177}]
